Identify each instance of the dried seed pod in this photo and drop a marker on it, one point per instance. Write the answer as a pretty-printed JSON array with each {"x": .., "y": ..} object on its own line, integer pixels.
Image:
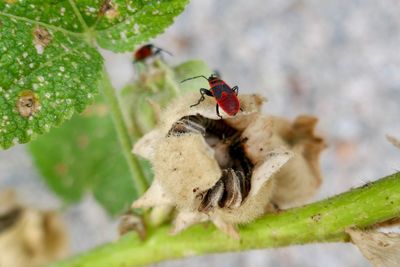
[
  {"x": 132, "y": 222},
  {"x": 10, "y": 210},
  {"x": 29, "y": 238},
  {"x": 215, "y": 169},
  {"x": 395, "y": 141},
  {"x": 211, "y": 197},
  {"x": 232, "y": 197},
  {"x": 292, "y": 189},
  {"x": 382, "y": 249}
]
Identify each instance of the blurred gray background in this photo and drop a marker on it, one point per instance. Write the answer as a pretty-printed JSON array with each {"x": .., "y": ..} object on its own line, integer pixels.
[{"x": 338, "y": 60}]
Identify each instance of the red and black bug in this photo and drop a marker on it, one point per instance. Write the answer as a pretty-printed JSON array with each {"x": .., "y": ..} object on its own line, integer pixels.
[
  {"x": 225, "y": 96},
  {"x": 147, "y": 51}
]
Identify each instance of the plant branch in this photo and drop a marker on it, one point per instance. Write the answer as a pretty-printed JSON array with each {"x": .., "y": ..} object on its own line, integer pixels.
[
  {"x": 323, "y": 221},
  {"x": 123, "y": 135}
]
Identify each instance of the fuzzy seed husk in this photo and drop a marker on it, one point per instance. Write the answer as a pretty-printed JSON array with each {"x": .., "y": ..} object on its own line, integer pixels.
[
  {"x": 381, "y": 249},
  {"x": 281, "y": 153},
  {"x": 33, "y": 238}
]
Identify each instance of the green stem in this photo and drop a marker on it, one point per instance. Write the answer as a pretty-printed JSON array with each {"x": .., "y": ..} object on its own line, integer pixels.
[
  {"x": 323, "y": 221},
  {"x": 123, "y": 135},
  {"x": 170, "y": 84}
]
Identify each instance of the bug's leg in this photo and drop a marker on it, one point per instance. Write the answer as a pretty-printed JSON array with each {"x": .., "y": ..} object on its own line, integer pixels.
[
  {"x": 236, "y": 89},
  {"x": 202, "y": 92},
  {"x": 136, "y": 65},
  {"x": 217, "y": 109},
  {"x": 157, "y": 52}
]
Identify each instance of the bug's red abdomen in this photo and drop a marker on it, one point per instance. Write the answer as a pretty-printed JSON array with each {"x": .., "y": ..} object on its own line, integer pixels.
[
  {"x": 226, "y": 98},
  {"x": 143, "y": 52},
  {"x": 229, "y": 103}
]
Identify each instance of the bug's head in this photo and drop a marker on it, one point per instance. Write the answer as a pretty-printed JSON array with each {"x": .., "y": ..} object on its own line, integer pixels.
[
  {"x": 216, "y": 73},
  {"x": 213, "y": 78}
]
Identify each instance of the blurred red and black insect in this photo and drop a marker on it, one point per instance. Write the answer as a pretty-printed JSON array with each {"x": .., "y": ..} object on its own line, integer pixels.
[
  {"x": 225, "y": 96},
  {"x": 147, "y": 51}
]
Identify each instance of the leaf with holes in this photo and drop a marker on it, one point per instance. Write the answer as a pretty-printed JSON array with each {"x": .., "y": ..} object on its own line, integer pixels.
[
  {"x": 49, "y": 65},
  {"x": 123, "y": 24},
  {"x": 83, "y": 155}
]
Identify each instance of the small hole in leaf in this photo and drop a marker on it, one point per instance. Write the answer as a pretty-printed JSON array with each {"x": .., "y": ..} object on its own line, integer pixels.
[
  {"x": 41, "y": 38},
  {"x": 83, "y": 141},
  {"x": 108, "y": 9},
  {"x": 27, "y": 104},
  {"x": 105, "y": 7},
  {"x": 61, "y": 169}
]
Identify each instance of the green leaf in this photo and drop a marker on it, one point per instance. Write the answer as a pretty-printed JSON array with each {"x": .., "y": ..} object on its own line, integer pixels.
[
  {"x": 128, "y": 23},
  {"x": 49, "y": 65},
  {"x": 46, "y": 72},
  {"x": 84, "y": 155}
]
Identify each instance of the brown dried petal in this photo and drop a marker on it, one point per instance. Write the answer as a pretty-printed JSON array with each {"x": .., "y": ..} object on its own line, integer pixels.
[
  {"x": 132, "y": 222},
  {"x": 301, "y": 177},
  {"x": 154, "y": 196},
  {"x": 146, "y": 146},
  {"x": 382, "y": 249},
  {"x": 8, "y": 201},
  {"x": 395, "y": 141},
  {"x": 34, "y": 239},
  {"x": 260, "y": 138},
  {"x": 227, "y": 228},
  {"x": 185, "y": 219},
  {"x": 273, "y": 161}
]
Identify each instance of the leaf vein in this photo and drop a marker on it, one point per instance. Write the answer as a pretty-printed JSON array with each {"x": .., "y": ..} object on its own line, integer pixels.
[
  {"x": 78, "y": 14},
  {"x": 56, "y": 28}
]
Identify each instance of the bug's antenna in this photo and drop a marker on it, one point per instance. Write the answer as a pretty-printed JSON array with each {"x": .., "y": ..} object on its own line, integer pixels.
[
  {"x": 195, "y": 77},
  {"x": 162, "y": 50}
]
